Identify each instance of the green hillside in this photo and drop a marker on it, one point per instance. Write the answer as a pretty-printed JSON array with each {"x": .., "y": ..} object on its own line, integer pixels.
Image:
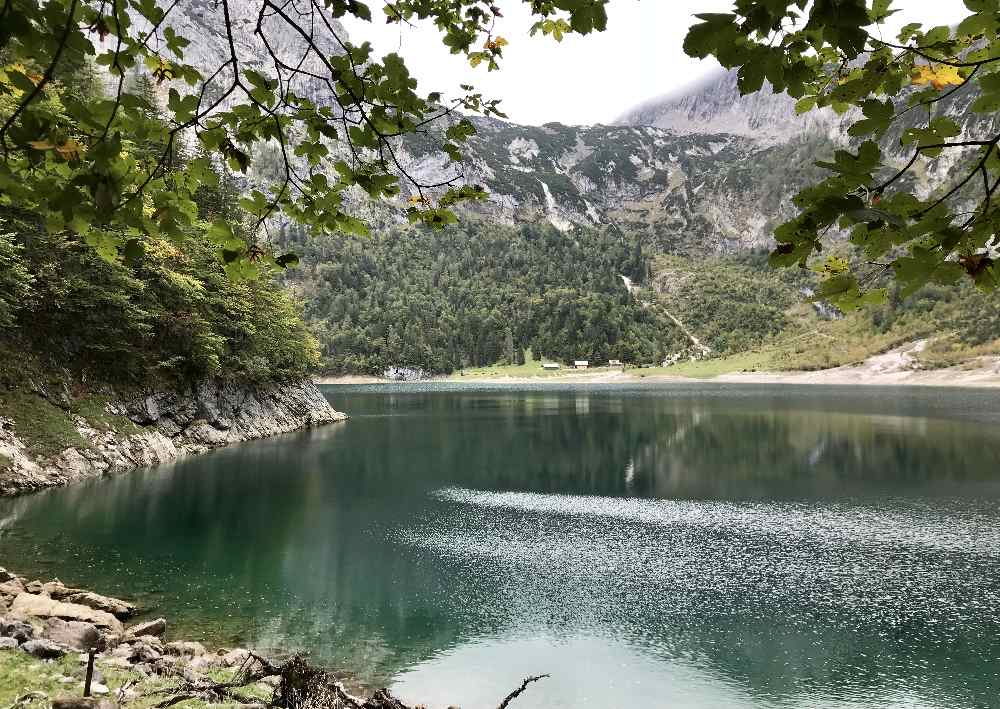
[{"x": 476, "y": 295}]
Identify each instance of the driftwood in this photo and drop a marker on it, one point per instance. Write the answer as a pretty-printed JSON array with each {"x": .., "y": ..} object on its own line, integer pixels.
[
  {"x": 297, "y": 685},
  {"x": 520, "y": 690}
]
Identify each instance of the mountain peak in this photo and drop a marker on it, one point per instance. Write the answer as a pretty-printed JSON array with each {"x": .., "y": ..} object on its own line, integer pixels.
[{"x": 714, "y": 104}]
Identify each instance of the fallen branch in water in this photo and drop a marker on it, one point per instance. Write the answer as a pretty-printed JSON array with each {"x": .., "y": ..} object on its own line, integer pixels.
[{"x": 520, "y": 690}]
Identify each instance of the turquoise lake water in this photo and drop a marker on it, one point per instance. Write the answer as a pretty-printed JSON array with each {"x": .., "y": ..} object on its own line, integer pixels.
[{"x": 683, "y": 546}]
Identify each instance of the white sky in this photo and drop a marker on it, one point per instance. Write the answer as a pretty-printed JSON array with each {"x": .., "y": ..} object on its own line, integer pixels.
[{"x": 583, "y": 80}]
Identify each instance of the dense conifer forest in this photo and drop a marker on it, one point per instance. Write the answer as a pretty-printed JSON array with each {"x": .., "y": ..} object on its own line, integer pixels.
[{"x": 478, "y": 294}]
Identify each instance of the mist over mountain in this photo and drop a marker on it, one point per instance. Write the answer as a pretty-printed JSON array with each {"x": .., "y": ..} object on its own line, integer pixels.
[{"x": 714, "y": 105}]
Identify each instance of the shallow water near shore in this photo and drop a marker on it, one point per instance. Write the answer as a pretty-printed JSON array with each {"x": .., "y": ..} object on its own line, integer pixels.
[{"x": 677, "y": 545}]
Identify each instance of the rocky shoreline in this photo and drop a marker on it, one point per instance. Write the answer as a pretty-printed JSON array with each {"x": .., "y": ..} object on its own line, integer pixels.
[
  {"x": 55, "y": 627},
  {"x": 160, "y": 427},
  {"x": 57, "y": 641}
]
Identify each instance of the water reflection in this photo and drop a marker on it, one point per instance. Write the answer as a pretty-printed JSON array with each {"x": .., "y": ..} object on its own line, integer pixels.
[{"x": 715, "y": 546}]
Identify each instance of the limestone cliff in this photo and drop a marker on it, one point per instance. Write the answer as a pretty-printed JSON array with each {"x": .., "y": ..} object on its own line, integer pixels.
[{"x": 159, "y": 427}]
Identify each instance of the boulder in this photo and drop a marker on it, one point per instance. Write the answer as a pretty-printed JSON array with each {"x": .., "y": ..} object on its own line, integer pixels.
[
  {"x": 74, "y": 634},
  {"x": 204, "y": 663},
  {"x": 115, "y": 606},
  {"x": 43, "y": 649},
  {"x": 27, "y": 605},
  {"x": 145, "y": 649},
  {"x": 6, "y": 575},
  {"x": 56, "y": 589},
  {"x": 8, "y": 644},
  {"x": 34, "y": 587},
  {"x": 151, "y": 627},
  {"x": 16, "y": 629},
  {"x": 122, "y": 650},
  {"x": 11, "y": 588},
  {"x": 182, "y": 648},
  {"x": 61, "y": 592},
  {"x": 234, "y": 658},
  {"x": 98, "y": 689},
  {"x": 152, "y": 641},
  {"x": 119, "y": 663}
]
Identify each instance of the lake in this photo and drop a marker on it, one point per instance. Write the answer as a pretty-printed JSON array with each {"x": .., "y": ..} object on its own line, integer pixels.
[{"x": 675, "y": 545}]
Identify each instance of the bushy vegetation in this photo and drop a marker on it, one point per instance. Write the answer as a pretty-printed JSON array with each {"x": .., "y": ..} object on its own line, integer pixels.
[
  {"x": 21, "y": 675},
  {"x": 759, "y": 319},
  {"x": 132, "y": 311},
  {"x": 478, "y": 295},
  {"x": 168, "y": 314},
  {"x": 732, "y": 304}
]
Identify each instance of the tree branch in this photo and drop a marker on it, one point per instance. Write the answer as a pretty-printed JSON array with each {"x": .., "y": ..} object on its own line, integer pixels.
[
  {"x": 46, "y": 77},
  {"x": 520, "y": 690}
]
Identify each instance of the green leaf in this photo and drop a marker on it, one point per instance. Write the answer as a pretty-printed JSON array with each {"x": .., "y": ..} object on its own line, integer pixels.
[{"x": 804, "y": 105}]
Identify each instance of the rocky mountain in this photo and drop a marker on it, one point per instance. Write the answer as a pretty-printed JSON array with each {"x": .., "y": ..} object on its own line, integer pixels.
[
  {"x": 714, "y": 105},
  {"x": 693, "y": 175},
  {"x": 703, "y": 170},
  {"x": 687, "y": 192},
  {"x": 202, "y": 22}
]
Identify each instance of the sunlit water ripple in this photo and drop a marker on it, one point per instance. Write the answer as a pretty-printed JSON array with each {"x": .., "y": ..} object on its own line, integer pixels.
[{"x": 657, "y": 570}]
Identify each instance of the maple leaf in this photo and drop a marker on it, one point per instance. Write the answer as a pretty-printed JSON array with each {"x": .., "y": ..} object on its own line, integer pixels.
[{"x": 937, "y": 77}]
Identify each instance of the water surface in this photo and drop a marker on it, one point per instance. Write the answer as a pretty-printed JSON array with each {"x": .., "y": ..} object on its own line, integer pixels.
[{"x": 696, "y": 546}]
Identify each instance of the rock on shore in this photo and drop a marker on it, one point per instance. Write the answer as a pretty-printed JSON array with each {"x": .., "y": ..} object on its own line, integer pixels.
[
  {"x": 164, "y": 426},
  {"x": 34, "y": 620}
]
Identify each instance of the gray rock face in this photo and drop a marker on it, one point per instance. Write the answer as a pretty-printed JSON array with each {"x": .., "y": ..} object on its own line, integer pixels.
[
  {"x": 8, "y": 644},
  {"x": 715, "y": 105},
  {"x": 43, "y": 649},
  {"x": 18, "y": 630},
  {"x": 172, "y": 424},
  {"x": 155, "y": 628},
  {"x": 182, "y": 648},
  {"x": 73, "y": 634},
  {"x": 404, "y": 374},
  {"x": 28, "y": 605}
]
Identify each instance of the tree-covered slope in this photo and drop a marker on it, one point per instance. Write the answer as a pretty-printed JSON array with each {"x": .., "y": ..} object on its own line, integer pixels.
[
  {"x": 760, "y": 319},
  {"x": 477, "y": 294},
  {"x": 170, "y": 315}
]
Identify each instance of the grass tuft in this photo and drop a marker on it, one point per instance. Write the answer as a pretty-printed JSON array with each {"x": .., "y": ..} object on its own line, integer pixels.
[{"x": 45, "y": 428}]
